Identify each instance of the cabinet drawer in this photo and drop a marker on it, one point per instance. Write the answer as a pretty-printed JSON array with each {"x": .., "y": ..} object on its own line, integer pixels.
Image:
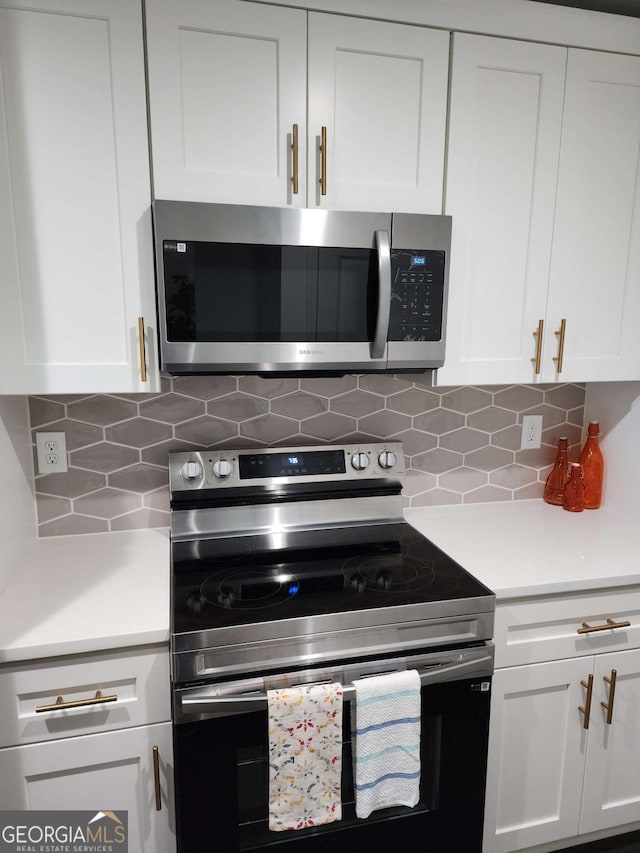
[
  {"x": 540, "y": 629},
  {"x": 137, "y": 678}
]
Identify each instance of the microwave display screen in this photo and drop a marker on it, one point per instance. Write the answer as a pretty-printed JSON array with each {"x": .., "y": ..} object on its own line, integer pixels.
[{"x": 227, "y": 292}]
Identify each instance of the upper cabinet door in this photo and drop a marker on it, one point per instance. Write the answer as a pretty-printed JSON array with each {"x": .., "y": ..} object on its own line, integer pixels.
[
  {"x": 596, "y": 248},
  {"x": 380, "y": 90},
  {"x": 503, "y": 148},
  {"x": 76, "y": 262},
  {"x": 227, "y": 84}
]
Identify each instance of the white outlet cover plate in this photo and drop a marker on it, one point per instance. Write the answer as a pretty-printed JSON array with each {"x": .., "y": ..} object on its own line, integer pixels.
[
  {"x": 45, "y": 452},
  {"x": 531, "y": 432}
]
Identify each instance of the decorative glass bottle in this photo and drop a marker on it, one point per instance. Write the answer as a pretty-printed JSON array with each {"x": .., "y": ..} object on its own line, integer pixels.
[
  {"x": 556, "y": 481},
  {"x": 592, "y": 462},
  {"x": 574, "y": 490}
]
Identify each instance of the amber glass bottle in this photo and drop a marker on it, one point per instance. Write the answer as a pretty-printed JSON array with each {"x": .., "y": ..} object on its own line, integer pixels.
[
  {"x": 574, "y": 490},
  {"x": 592, "y": 462},
  {"x": 556, "y": 481}
]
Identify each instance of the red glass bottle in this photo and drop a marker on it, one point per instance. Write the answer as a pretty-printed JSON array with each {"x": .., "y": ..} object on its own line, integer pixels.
[
  {"x": 557, "y": 479},
  {"x": 592, "y": 462},
  {"x": 574, "y": 490}
]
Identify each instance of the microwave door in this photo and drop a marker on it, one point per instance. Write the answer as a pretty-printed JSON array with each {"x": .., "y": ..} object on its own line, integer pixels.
[{"x": 243, "y": 295}]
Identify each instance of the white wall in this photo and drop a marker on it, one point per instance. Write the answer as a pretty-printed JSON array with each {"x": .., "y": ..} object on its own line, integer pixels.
[
  {"x": 17, "y": 503},
  {"x": 616, "y": 405}
]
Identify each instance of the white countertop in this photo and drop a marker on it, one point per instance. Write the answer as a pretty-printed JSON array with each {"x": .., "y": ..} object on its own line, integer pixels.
[
  {"x": 75, "y": 594},
  {"x": 525, "y": 548}
]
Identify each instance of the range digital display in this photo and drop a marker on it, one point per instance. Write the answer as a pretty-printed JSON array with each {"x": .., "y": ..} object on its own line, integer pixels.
[{"x": 311, "y": 462}]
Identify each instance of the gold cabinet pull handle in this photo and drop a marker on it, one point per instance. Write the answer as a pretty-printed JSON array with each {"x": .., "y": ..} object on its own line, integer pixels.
[
  {"x": 323, "y": 161},
  {"x": 294, "y": 165},
  {"x": 608, "y": 706},
  {"x": 156, "y": 777},
  {"x": 586, "y": 708},
  {"x": 538, "y": 359},
  {"x": 143, "y": 359},
  {"x": 61, "y": 705},
  {"x": 560, "y": 335},
  {"x": 591, "y": 629}
]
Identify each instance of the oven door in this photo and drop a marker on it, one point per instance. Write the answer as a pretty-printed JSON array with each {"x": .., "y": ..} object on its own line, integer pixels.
[
  {"x": 265, "y": 289},
  {"x": 221, "y": 762}
]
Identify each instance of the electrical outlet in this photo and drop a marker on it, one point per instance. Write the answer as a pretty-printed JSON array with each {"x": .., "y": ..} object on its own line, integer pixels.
[
  {"x": 52, "y": 452},
  {"x": 531, "y": 432}
]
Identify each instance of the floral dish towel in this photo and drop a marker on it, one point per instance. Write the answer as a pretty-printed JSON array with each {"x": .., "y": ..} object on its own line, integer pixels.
[{"x": 305, "y": 756}]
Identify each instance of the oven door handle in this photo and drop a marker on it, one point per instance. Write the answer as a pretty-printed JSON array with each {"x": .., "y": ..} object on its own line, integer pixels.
[{"x": 242, "y": 703}]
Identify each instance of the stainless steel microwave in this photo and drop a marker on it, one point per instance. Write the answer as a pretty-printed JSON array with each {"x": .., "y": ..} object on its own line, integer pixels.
[{"x": 262, "y": 290}]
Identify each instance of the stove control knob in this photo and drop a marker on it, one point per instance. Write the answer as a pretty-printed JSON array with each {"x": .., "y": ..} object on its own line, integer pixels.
[
  {"x": 387, "y": 459},
  {"x": 222, "y": 469},
  {"x": 191, "y": 471},
  {"x": 359, "y": 461}
]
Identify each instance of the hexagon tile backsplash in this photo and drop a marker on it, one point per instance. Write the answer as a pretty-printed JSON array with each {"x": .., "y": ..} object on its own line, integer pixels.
[{"x": 461, "y": 444}]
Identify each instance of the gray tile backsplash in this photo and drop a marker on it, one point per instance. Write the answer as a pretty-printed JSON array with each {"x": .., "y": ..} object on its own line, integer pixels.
[{"x": 461, "y": 444}]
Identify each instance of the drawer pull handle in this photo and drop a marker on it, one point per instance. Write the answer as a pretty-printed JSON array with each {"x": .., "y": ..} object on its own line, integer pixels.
[
  {"x": 156, "y": 777},
  {"x": 608, "y": 706},
  {"x": 586, "y": 708},
  {"x": 61, "y": 705},
  {"x": 590, "y": 629}
]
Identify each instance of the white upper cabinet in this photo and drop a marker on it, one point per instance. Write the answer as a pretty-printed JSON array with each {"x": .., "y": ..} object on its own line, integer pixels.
[
  {"x": 595, "y": 269},
  {"x": 504, "y": 141},
  {"x": 228, "y": 84},
  {"x": 76, "y": 263},
  {"x": 380, "y": 90},
  {"x": 542, "y": 184}
]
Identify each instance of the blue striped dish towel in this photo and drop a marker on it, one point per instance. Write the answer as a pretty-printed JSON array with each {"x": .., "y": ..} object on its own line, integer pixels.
[{"x": 386, "y": 754}]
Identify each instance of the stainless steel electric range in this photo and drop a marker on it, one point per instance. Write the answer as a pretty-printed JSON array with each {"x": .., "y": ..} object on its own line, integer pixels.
[{"x": 291, "y": 566}]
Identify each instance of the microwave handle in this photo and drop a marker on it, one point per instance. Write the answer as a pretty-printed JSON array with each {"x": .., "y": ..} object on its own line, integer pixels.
[{"x": 383, "y": 248}]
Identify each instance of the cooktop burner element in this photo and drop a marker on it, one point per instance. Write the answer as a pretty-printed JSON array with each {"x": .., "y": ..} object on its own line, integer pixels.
[
  {"x": 250, "y": 590},
  {"x": 270, "y": 562},
  {"x": 386, "y": 573}
]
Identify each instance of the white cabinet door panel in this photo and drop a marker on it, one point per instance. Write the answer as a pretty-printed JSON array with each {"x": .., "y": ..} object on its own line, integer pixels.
[
  {"x": 380, "y": 89},
  {"x": 536, "y": 755},
  {"x": 504, "y": 140},
  {"x": 96, "y": 772},
  {"x": 227, "y": 81},
  {"x": 75, "y": 254},
  {"x": 612, "y": 777},
  {"x": 596, "y": 247}
]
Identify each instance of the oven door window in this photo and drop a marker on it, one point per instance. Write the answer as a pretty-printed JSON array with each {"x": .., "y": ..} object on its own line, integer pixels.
[
  {"x": 222, "y": 783},
  {"x": 225, "y": 292}
]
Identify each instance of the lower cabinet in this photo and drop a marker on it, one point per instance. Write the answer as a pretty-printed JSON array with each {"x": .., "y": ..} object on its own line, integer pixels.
[
  {"x": 611, "y": 794},
  {"x": 564, "y": 740},
  {"x": 130, "y": 769},
  {"x": 92, "y": 732}
]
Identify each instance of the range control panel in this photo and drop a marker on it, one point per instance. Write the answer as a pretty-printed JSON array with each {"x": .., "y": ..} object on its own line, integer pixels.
[
  {"x": 224, "y": 468},
  {"x": 417, "y": 294}
]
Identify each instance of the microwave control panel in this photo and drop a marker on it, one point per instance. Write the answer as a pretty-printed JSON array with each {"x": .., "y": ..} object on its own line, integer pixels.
[{"x": 417, "y": 293}]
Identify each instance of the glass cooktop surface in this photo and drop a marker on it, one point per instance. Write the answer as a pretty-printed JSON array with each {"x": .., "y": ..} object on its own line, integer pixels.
[{"x": 246, "y": 580}]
